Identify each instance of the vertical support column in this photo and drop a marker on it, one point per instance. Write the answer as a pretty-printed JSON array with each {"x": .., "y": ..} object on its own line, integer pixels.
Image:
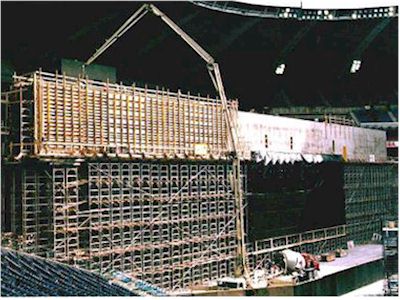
[
  {"x": 35, "y": 210},
  {"x": 65, "y": 212},
  {"x": 29, "y": 210},
  {"x": 15, "y": 205},
  {"x": 146, "y": 119},
  {"x": 37, "y": 113}
]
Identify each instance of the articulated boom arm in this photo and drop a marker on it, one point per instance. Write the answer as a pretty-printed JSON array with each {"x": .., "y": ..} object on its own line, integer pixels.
[
  {"x": 212, "y": 66},
  {"x": 213, "y": 70}
]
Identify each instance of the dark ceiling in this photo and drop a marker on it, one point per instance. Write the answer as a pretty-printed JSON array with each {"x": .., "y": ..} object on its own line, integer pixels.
[{"x": 39, "y": 34}]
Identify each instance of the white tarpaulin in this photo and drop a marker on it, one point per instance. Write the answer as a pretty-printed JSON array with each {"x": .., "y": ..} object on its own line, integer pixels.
[{"x": 281, "y": 157}]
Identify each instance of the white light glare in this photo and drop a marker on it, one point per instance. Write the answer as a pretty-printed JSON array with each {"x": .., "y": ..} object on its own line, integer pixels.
[
  {"x": 355, "y": 66},
  {"x": 280, "y": 69}
]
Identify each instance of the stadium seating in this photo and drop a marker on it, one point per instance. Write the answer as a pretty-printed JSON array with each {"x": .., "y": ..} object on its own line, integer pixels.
[
  {"x": 395, "y": 112},
  {"x": 372, "y": 115},
  {"x": 27, "y": 275}
]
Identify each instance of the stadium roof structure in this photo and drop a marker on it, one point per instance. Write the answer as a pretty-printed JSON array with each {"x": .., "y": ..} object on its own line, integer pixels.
[
  {"x": 315, "y": 56},
  {"x": 376, "y": 117},
  {"x": 306, "y": 10}
]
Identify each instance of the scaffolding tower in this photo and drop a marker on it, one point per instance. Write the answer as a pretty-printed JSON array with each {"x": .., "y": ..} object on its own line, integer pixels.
[
  {"x": 390, "y": 236},
  {"x": 169, "y": 223},
  {"x": 371, "y": 197}
]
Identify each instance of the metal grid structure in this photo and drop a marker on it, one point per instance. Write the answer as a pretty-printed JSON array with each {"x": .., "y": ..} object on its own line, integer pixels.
[
  {"x": 169, "y": 223},
  {"x": 313, "y": 241},
  {"x": 371, "y": 197},
  {"x": 29, "y": 205},
  {"x": 390, "y": 236},
  {"x": 172, "y": 224},
  {"x": 59, "y": 116},
  {"x": 65, "y": 212}
]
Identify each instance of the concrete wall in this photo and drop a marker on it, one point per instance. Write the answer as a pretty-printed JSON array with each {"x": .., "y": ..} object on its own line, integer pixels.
[{"x": 310, "y": 137}]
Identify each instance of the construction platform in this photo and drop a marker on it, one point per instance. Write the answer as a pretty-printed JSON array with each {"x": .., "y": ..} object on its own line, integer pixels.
[
  {"x": 357, "y": 256},
  {"x": 362, "y": 266}
]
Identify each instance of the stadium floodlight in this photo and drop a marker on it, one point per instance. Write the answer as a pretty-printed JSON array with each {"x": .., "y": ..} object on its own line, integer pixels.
[
  {"x": 280, "y": 69},
  {"x": 355, "y": 66}
]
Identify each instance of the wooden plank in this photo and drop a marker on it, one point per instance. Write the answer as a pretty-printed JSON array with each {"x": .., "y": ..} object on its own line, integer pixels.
[
  {"x": 72, "y": 113},
  {"x": 145, "y": 121},
  {"x": 48, "y": 110},
  {"x": 140, "y": 122},
  {"x": 189, "y": 115},
  {"x": 56, "y": 105},
  {"x": 94, "y": 117},
  {"x": 121, "y": 125},
  {"x": 101, "y": 119},
  {"x": 77, "y": 111},
  {"x": 64, "y": 108},
  {"x": 157, "y": 119},
  {"x": 164, "y": 130},
  {"x": 180, "y": 124},
  {"x": 128, "y": 123},
  {"x": 80, "y": 113},
  {"x": 108, "y": 113},
  {"x": 87, "y": 111},
  {"x": 133, "y": 118},
  {"x": 115, "y": 120}
]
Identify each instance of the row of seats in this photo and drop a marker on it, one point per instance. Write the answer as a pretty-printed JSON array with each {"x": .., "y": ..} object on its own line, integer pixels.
[
  {"x": 374, "y": 115},
  {"x": 142, "y": 287},
  {"x": 149, "y": 288},
  {"x": 27, "y": 275}
]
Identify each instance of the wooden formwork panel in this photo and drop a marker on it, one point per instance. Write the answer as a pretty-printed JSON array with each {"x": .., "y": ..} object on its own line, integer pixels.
[{"x": 80, "y": 117}]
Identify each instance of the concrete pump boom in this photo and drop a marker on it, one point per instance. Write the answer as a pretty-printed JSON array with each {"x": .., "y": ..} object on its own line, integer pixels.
[{"x": 214, "y": 72}]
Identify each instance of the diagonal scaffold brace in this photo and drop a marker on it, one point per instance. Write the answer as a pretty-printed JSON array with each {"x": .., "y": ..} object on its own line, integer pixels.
[{"x": 214, "y": 72}]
